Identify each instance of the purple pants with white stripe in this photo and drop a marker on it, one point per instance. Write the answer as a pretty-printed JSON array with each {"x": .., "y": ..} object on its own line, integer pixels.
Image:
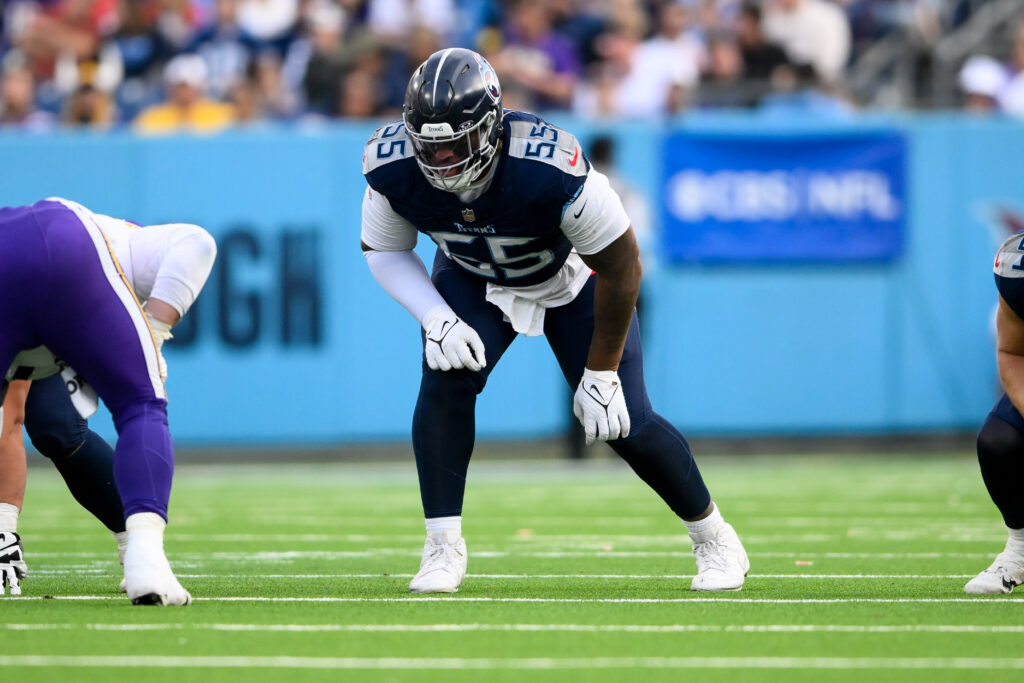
[{"x": 60, "y": 286}]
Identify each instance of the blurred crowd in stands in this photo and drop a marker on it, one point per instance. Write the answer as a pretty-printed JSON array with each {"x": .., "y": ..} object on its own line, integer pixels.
[
  {"x": 163, "y": 65},
  {"x": 993, "y": 85}
]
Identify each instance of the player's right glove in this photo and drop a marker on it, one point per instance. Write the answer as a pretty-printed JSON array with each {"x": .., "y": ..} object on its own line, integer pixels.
[
  {"x": 600, "y": 406},
  {"x": 451, "y": 343},
  {"x": 12, "y": 562}
]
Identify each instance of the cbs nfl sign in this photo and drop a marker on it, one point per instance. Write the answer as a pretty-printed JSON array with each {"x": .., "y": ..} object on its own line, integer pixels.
[{"x": 774, "y": 198}]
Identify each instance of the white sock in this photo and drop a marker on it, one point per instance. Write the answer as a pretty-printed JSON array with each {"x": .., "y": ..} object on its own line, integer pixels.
[
  {"x": 705, "y": 529},
  {"x": 8, "y": 517},
  {"x": 450, "y": 526},
  {"x": 122, "y": 544},
  {"x": 147, "y": 525},
  {"x": 1016, "y": 541}
]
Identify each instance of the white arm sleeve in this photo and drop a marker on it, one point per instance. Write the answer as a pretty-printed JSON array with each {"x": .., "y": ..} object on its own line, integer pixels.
[
  {"x": 171, "y": 263},
  {"x": 595, "y": 218},
  {"x": 383, "y": 228},
  {"x": 403, "y": 276},
  {"x": 394, "y": 264}
]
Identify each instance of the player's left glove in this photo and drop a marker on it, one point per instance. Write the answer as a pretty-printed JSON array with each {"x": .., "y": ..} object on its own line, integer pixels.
[
  {"x": 161, "y": 333},
  {"x": 12, "y": 562},
  {"x": 600, "y": 405}
]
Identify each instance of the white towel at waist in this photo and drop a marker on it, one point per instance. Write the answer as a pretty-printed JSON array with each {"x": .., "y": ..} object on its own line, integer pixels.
[{"x": 524, "y": 306}]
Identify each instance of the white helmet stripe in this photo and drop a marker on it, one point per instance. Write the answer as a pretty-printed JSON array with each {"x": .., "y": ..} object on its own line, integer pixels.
[{"x": 437, "y": 76}]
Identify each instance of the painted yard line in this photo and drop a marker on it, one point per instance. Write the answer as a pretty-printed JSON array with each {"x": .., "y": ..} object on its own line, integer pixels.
[
  {"x": 571, "y": 554},
  {"x": 847, "y": 519},
  {"x": 529, "y": 628},
  {"x": 596, "y": 543},
  {"x": 261, "y": 538},
  {"x": 580, "y": 576},
  {"x": 426, "y": 599},
  {"x": 333, "y": 521},
  {"x": 487, "y": 554},
  {"x": 537, "y": 663},
  {"x": 653, "y": 577},
  {"x": 930, "y": 526}
]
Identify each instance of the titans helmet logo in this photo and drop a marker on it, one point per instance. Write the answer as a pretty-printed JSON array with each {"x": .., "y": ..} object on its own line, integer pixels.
[{"x": 490, "y": 78}]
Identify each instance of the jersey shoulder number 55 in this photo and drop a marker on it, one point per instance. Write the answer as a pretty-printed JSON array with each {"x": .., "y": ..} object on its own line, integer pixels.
[
  {"x": 533, "y": 139},
  {"x": 386, "y": 145}
]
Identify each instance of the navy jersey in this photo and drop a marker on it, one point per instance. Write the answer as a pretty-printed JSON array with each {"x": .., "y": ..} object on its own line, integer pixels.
[
  {"x": 1009, "y": 273},
  {"x": 510, "y": 235}
]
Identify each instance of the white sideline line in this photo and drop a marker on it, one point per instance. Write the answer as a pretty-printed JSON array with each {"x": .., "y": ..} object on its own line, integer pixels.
[
  {"x": 398, "y": 663},
  {"x": 530, "y": 628},
  {"x": 427, "y": 599}
]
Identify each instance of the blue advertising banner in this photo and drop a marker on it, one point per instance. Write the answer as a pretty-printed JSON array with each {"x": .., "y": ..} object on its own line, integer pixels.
[{"x": 785, "y": 199}]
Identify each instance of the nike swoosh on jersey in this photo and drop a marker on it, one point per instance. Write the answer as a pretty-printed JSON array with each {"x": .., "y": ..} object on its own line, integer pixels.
[
  {"x": 576, "y": 214},
  {"x": 575, "y": 157}
]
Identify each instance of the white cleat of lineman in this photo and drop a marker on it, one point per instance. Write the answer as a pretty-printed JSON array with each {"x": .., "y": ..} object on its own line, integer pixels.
[
  {"x": 443, "y": 566},
  {"x": 1006, "y": 572},
  {"x": 722, "y": 562},
  {"x": 147, "y": 574}
]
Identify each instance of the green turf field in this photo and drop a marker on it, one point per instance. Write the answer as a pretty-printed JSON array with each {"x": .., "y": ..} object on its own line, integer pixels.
[{"x": 300, "y": 572}]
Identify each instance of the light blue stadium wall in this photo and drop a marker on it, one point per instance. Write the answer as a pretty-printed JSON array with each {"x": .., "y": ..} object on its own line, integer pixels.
[{"x": 729, "y": 349}]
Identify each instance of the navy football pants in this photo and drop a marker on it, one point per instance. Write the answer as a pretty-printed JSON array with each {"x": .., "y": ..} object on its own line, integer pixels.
[
  {"x": 1001, "y": 456},
  {"x": 84, "y": 459},
  {"x": 444, "y": 420}
]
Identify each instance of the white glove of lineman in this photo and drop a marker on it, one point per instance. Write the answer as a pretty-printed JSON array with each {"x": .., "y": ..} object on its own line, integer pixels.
[
  {"x": 12, "y": 562},
  {"x": 161, "y": 333},
  {"x": 451, "y": 343},
  {"x": 600, "y": 405}
]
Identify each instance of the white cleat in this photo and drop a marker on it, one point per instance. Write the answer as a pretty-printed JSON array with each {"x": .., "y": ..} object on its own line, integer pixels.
[
  {"x": 722, "y": 562},
  {"x": 148, "y": 578},
  {"x": 443, "y": 566},
  {"x": 1006, "y": 572}
]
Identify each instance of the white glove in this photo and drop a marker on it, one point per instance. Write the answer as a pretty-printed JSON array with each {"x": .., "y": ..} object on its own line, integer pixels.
[
  {"x": 12, "y": 562},
  {"x": 600, "y": 405},
  {"x": 451, "y": 343},
  {"x": 161, "y": 333},
  {"x": 9, "y": 577}
]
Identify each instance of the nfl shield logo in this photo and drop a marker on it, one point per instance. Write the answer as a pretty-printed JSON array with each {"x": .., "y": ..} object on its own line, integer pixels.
[{"x": 468, "y": 215}]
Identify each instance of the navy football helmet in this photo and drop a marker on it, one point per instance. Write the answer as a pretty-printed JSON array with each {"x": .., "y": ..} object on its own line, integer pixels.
[{"x": 453, "y": 118}]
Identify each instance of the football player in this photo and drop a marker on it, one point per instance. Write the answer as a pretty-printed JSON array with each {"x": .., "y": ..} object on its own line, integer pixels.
[
  {"x": 1001, "y": 440},
  {"x": 531, "y": 240},
  {"x": 86, "y": 271}
]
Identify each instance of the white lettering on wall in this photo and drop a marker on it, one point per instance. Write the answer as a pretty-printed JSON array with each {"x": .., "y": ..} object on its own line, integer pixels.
[{"x": 695, "y": 196}]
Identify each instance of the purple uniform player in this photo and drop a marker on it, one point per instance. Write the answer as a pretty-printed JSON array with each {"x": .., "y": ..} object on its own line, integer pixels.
[{"x": 65, "y": 289}]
